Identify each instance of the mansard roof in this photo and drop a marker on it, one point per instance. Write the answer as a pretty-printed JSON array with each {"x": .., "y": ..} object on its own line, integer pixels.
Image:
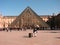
[{"x": 9, "y": 17}]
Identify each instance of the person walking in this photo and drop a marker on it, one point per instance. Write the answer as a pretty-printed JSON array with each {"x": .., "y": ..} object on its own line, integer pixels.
[{"x": 34, "y": 32}]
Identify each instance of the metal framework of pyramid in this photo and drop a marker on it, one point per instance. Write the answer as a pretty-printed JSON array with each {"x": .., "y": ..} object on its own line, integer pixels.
[{"x": 28, "y": 18}]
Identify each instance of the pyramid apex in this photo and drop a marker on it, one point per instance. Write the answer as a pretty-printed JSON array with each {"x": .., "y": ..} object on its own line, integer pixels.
[{"x": 28, "y": 7}]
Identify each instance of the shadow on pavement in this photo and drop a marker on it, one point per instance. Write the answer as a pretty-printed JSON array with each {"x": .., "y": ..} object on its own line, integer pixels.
[
  {"x": 25, "y": 36},
  {"x": 52, "y": 32},
  {"x": 57, "y": 37}
]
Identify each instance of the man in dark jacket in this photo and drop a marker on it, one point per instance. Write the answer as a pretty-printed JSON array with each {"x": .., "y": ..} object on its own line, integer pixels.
[{"x": 34, "y": 31}]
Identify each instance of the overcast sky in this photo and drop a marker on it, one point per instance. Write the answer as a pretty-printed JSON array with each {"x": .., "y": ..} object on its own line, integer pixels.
[{"x": 41, "y": 7}]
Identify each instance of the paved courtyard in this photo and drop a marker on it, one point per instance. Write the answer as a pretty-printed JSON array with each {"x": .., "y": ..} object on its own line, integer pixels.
[{"x": 43, "y": 37}]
